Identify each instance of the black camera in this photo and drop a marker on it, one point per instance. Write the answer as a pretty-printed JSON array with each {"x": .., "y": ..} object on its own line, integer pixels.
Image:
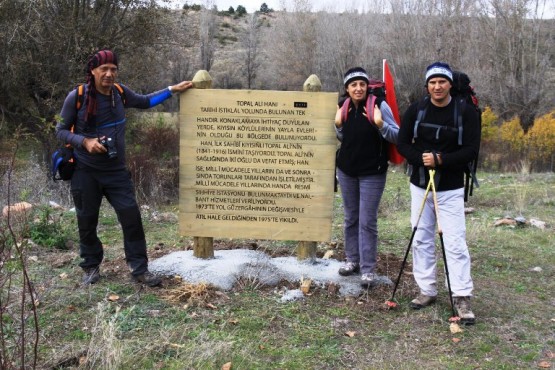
[{"x": 110, "y": 145}]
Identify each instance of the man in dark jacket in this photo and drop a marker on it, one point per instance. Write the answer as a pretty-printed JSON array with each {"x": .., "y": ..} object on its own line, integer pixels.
[
  {"x": 434, "y": 144},
  {"x": 96, "y": 130}
]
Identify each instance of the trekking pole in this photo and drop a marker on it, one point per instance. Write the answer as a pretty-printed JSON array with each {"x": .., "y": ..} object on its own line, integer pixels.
[
  {"x": 391, "y": 303},
  {"x": 454, "y": 318}
]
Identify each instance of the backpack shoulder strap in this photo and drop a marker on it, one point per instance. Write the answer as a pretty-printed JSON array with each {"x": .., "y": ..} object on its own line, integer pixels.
[
  {"x": 80, "y": 98},
  {"x": 370, "y": 102},
  {"x": 460, "y": 106},
  {"x": 422, "y": 108},
  {"x": 345, "y": 110},
  {"x": 121, "y": 92}
]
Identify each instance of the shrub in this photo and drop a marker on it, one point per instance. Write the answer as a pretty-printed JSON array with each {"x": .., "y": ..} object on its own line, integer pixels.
[
  {"x": 51, "y": 230},
  {"x": 541, "y": 141}
]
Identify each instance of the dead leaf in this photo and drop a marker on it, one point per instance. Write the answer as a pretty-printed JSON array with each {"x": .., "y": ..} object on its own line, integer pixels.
[
  {"x": 350, "y": 334},
  {"x": 226, "y": 366},
  {"x": 175, "y": 345},
  {"x": 505, "y": 221},
  {"x": 233, "y": 321},
  {"x": 333, "y": 288},
  {"x": 261, "y": 347},
  {"x": 63, "y": 276},
  {"x": 113, "y": 297},
  {"x": 550, "y": 354},
  {"x": 544, "y": 364},
  {"x": 154, "y": 313},
  {"x": 82, "y": 360},
  {"x": 211, "y": 306},
  {"x": 71, "y": 308},
  {"x": 329, "y": 254},
  {"x": 456, "y": 340},
  {"x": 455, "y": 328}
]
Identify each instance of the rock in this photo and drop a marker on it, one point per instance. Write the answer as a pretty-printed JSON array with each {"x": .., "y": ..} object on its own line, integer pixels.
[
  {"x": 17, "y": 209},
  {"x": 292, "y": 295},
  {"x": 536, "y": 269},
  {"x": 537, "y": 223},
  {"x": 520, "y": 220},
  {"x": 55, "y": 205}
]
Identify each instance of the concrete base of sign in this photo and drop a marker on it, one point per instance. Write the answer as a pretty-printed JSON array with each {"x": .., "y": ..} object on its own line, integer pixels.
[{"x": 229, "y": 266}]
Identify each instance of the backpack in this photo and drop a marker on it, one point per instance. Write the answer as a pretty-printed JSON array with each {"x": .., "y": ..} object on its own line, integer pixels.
[
  {"x": 464, "y": 94},
  {"x": 63, "y": 163},
  {"x": 63, "y": 160},
  {"x": 376, "y": 94}
]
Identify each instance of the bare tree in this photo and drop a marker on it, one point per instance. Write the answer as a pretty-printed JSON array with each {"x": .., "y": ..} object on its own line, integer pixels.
[
  {"x": 291, "y": 46},
  {"x": 251, "y": 45},
  {"x": 517, "y": 56},
  {"x": 45, "y": 45},
  {"x": 420, "y": 33},
  {"x": 208, "y": 29}
]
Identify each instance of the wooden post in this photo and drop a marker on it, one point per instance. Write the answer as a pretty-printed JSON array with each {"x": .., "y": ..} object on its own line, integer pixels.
[
  {"x": 307, "y": 249},
  {"x": 203, "y": 247}
]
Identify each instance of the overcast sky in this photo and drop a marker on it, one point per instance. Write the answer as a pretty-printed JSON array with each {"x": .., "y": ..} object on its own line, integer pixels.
[
  {"x": 328, "y": 5},
  {"x": 254, "y": 5}
]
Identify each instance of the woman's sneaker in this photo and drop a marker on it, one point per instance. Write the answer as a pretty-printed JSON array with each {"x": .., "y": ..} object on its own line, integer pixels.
[
  {"x": 422, "y": 301},
  {"x": 349, "y": 268},
  {"x": 462, "y": 306},
  {"x": 367, "y": 280}
]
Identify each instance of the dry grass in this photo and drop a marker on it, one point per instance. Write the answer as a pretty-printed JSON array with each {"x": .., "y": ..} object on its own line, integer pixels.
[{"x": 195, "y": 326}]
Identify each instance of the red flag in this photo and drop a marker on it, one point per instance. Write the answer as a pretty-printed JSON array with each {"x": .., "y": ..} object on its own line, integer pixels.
[{"x": 391, "y": 100}]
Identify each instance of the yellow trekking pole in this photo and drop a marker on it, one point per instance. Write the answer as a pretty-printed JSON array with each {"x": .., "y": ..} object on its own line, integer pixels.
[
  {"x": 454, "y": 318},
  {"x": 391, "y": 303}
]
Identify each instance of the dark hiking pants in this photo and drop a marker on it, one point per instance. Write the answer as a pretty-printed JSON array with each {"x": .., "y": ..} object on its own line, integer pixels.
[{"x": 88, "y": 187}]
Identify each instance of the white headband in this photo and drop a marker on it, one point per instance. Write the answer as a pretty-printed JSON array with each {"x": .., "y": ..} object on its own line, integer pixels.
[
  {"x": 353, "y": 75},
  {"x": 439, "y": 71}
]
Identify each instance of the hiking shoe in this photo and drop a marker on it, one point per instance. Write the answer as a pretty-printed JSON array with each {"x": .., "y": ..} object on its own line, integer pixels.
[
  {"x": 91, "y": 275},
  {"x": 422, "y": 301},
  {"x": 349, "y": 268},
  {"x": 148, "y": 278},
  {"x": 367, "y": 280},
  {"x": 462, "y": 307}
]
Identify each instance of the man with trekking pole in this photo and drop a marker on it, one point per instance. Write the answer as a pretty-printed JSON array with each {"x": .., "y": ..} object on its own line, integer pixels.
[{"x": 438, "y": 142}]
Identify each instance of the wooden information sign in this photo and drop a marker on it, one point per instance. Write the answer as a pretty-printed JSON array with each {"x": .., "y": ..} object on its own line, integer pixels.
[{"x": 257, "y": 164}]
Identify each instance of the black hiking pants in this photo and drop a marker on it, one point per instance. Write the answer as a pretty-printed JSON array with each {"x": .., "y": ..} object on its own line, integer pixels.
[{"x": 88, "y": 187}]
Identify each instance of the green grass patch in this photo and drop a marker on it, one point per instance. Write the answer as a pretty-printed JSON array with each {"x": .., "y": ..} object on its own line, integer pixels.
[{"x": 512, "y": 269}]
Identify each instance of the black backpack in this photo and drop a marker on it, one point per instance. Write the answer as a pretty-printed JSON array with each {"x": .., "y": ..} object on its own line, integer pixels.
[{"x": 464, "y": 94}]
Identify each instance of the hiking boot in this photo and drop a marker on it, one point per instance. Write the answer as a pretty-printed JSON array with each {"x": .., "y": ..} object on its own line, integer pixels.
[
  {"x": 462, "y": 307},
  {"x": 422, "y": 301},
  {"x": 349, "y": 268},
  {"x": 367, "y": 280},
  {"x": 148, "y": 278},
  {"x": 91, "y": 275}
]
